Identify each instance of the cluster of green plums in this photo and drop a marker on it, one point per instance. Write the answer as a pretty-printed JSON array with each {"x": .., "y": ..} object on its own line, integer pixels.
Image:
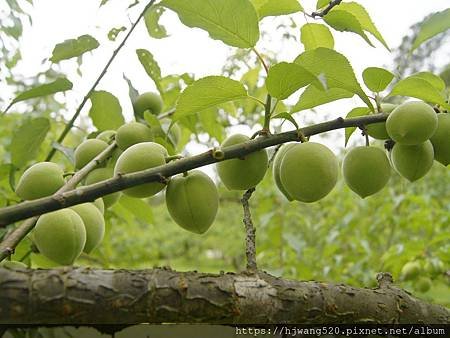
[
  {"x": 419, "y": 272},
  {"x": 304, "y": 172},
  {"x": 308, "y": 171}
]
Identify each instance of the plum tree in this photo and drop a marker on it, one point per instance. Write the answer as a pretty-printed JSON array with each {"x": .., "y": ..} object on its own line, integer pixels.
[
  {"x": 242, "y": 173},
  {"x": 94, "y": 224},
  {"x": 276, "y": 169},
  {"x": 366, "y": 170},
  {"x": 106, "y": 135},
  {"x": 412, "y": 162},
  {"x": 133, "y": 133},
  {"x": 411, "y": 123},
  {"x": 87, "y": 151},
  {"x": 378, "y": 130},
  {"x": 138, "y": 157},
  {"x": 100, "y": 175},
  {"x": 441, "y": 139},
  {"x": 192, "y": 201},
  {"x": 40, "y": 180},
  {"x": 309, "y": 171},
  {"x": 60, "y": 236},
  {"x": 411, "y": 270},
  {"x": 147, "y": 101}
]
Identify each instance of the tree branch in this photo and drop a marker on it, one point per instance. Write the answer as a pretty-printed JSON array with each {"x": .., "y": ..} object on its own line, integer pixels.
[
  {"x": 9, "y": 243},
  {"x": 250, "y": 238},
  {"x": 120, "y": 182},
  {"x": 327, "y": 9},
  {"x": 69, "y": 125},
  {"x": 86, "y": 296}
]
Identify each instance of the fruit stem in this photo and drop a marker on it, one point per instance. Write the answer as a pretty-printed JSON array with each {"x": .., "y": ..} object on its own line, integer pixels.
[{"x": 250, "y": 237}]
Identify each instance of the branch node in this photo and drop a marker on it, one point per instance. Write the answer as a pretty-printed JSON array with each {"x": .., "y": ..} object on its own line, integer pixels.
[
  {"x": 384, "y": 279},
  {"x": 217, "y": 153}
]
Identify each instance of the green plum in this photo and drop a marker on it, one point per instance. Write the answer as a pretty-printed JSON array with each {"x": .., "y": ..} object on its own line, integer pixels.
[
  {"x": 100, "y": 175},
  {"x": 242, "y": 173},
  {"x": 192, "y": 201},
  {"x": 441, "y": 139},
  {"x": 40, "y": 180},
  {"x": 87, "y": 151},
  {"x": 133, "y": 133},
  {"x": 147, "y": 101},
  {"x": 378, "y": 130},
  {"x": 276, "y": 168},
  {"x": 412, "y": 162},
  {"x": 94, "y": 224}
]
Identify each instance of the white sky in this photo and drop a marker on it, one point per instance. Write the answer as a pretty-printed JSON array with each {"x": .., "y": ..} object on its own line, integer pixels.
[{"x": 188, "y": 50}]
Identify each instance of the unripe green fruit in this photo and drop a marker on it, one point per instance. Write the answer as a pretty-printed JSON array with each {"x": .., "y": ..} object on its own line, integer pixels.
[
  {"x": 412, "y": 162},
  {"x": 411, "y": 123},
  {"x": 87, "y": 151},
  {"x": 147, "y": 101},
  {"x": 378, "y": 130},
  {"x": 100, "y": 175},
  {"x": 276, "y": 168},
  {"x": 309, "y": 171},
  {"x": 242, "y": 173},
  {"x": 133, "y": 133},
  {"x": 441, "y": 139},
  {"x": 100, "y": 205},
  {"x": 434, "y": 267},
  {"x": 106, "y": 135},
  {"x": 94, "y": 224},
  {"x": 410, "y": 270},
  {"x": 423, "y": 284},
  {"x": 139, "y": 157},
  {"x": 366, "y": 170},
  {"x": 60, "y": 236},
  {"x": 114, "y": 156},
  {"x": 40, "y": 180},
  {"x": 192, "y": 201},
  {"x": 13, "y": 265},
  {"x": 174, "y": 132}
]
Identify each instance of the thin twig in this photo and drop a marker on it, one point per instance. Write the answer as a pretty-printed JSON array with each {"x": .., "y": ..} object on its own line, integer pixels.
[
  {"x": 250, "y": 237},
  {"x": 327, "y": 9},
  {"x": 261, "y": 59},
  {"x": 8, "y": 245},
  {"x": 69, "y": 125}
]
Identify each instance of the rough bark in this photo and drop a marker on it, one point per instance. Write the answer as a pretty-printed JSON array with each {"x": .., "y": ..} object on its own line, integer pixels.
[{"x": 84, "y": 296}]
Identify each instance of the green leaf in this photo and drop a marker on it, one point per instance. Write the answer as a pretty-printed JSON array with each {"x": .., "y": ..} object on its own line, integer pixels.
[
  {"x": 276, "y": 7},
  {"x": 286, "y": 116},
  {"x": 59, "y": 85},
  {"x": 336, "y": 68},
  {"x": 151, "y": 18},
  {"x": 114, "y": 32},
  {"x": 139, "y": 208},
  {"x": 234, "y": 22},
  {"x": 419, "y": 88},
  {"x": 105, "y": 112},
  {"x": 132, "y": 92},
  {"x": 286, "y": 78},
  {"x": 438, "y": 23},
  {"x": 377, "y": 79},
  {"x": 313, "y": 97},
  {"x": 151, "y": 67},
  {"x": 364, "y": 19},
  {"x": 314, "y": 35},
  {"x": 27, "y": 140},
  {"x": 73, "y": 48},
  {"x": 355, "y": 112},
  {"x": 344, "y": 21},
  {"x": 208, "y": 92},
  {"x": 322, "y": 3},
  {"x": 436, "y": 81}
]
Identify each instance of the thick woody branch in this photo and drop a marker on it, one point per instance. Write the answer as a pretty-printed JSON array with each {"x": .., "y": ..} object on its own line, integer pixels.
[
  {"x": 87, "y": 296},
  {"x": 9, "y": 243},
  {"x": 120, "y": 182}
]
